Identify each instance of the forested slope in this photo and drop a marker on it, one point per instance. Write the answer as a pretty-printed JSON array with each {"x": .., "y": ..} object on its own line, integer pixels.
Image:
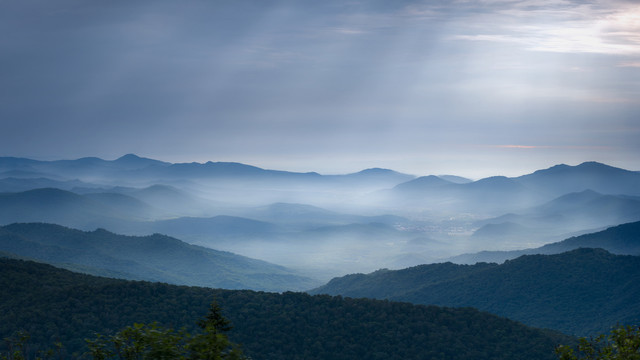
[
  {"x": 155, "y": 258},
  {"x": 57, "y": 305},
  {"x": 581, "y": 292}
]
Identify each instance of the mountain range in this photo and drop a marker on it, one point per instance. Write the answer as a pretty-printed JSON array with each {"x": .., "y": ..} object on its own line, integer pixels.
[
  {"x": 131, "y": 170},
  {"x": 499, "y": 194},
  {"x": 224, "y": 186},
  {"x": 326, "y": 225},
  {"x": 568, "y": 214}
]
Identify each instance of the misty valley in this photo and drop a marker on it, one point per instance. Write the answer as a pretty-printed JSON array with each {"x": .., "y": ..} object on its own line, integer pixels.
[{"x": 556, "y": 249}]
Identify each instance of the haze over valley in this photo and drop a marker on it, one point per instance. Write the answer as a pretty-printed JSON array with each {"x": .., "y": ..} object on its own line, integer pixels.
[{"x": 319, "y": 225}]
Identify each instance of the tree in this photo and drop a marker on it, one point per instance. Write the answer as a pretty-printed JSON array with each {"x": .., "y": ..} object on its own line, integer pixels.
[
  {"x": 151, "y": 342},
  {"x": 214, "y": 320},
  {"x": 213, "y": 343},
  {"x": 139, "y": 341},
  {"x": 18, "y": 348},
  {"x": 622, "y": 344}
]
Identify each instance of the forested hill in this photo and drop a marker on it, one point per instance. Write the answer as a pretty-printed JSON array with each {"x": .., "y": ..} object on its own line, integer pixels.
[
  {"x": 581, "y": 292},
  {"x": 57, "y": 305},
  {"x": 154, "y": 258}
]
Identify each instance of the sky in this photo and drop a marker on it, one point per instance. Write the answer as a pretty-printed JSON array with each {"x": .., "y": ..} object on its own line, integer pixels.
[{"x": 471, "y": 88}]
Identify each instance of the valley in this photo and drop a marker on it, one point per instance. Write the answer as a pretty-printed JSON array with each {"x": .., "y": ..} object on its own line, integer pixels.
[{"x": 321, "y": 225}]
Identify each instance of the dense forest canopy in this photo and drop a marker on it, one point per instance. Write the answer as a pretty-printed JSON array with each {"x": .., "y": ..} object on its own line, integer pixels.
[
  {"x": 57, "y": 305},
  {"x": 561, "y": 292}
]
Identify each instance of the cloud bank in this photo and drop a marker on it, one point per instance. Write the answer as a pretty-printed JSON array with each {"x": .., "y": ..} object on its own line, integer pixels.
[{"x": 332, "y": 86}]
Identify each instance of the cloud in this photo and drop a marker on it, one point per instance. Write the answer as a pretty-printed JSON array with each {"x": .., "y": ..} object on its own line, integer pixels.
[
  {"x": 266, "y": 80},
  {"x": 521, "y": 146},
  {"x": 630, "y": 64},
  {"x": 588, "y": 147},
  {"x": 349, "y": 31},
  {"x": 560, "y": 26}
]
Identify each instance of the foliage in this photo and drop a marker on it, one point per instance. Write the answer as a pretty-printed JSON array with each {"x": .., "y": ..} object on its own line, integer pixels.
[
  {"x": 149, "y": 342},
  {"x": 57, "y": 305},
  {"x": 152, "y": 342},
  {"x": 18, "y": 348},
  {"x": 139, "y": 341},
  {"x": 623, "y": 343},
  {"x": 560, "y": 292}
]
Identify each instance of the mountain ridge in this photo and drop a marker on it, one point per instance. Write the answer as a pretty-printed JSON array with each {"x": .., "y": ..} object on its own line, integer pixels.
[
  {"x": 623, "y": 239},
  {"x": 590, "y": 167},
  {"x": 154, "y": 257},
  {"x": 578, "y": 283}
]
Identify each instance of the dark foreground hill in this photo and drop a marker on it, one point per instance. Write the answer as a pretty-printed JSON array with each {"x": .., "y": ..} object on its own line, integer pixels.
[
  {"x": 582, "y": 292},
  {"x": 154, "y": 258},
  {"x": 57, "y": 305}
]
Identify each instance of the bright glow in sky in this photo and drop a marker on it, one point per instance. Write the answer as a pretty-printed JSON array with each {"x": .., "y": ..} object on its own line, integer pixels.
[{"x": 473, "y": 88}]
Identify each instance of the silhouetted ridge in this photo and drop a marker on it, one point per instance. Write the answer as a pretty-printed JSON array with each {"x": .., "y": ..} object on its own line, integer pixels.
[{"x": 561, "y": 291}]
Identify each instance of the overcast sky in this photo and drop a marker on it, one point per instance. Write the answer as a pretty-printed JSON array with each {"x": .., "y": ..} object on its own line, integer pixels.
[{"x": 473, "y": 88}]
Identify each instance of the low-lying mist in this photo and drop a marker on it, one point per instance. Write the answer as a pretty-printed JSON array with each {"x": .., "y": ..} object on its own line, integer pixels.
[{"x": 324, "y": 225}]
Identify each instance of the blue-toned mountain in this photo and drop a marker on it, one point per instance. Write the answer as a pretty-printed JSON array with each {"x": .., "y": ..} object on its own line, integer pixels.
[
  {"x": 567, "y": 215},
  {"x": 622, "y": 239},
  {"x": 584, "y": 291},
  {"x": 155, "y": 257},
  {"x": 562, "y": 179},
  {"x": 498, "y": 195}
]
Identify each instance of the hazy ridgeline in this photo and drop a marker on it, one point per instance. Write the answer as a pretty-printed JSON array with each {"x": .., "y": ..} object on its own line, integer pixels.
[{"x": 323, "y": 225}]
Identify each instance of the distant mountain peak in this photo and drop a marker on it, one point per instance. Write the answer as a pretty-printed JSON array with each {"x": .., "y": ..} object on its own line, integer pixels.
[
  {"x": 556, "y": 167},
  {"x": 376, "y": 171},
  {"x": 593, "y": 163},
  {"x": 587, "y": 165},
  {"x": 388, "y": 176},
  {"x": 423, "y": 183},
  {"x": 494, "y": 180},
  {"x": 232, "y": 165},
  {"x": 97, "y": 231},
  {"x": 602, "y": 178},
  {"x": 84, "y": 161},
  {"x": 381, "y": 172},
  {"x": 135, "y": 160},
  {"x": 455, "y": 179},
  {"x": 128, "y": 157},
  {"x": 596, "y": 166},
  {"x": 428, "y": 180}
]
